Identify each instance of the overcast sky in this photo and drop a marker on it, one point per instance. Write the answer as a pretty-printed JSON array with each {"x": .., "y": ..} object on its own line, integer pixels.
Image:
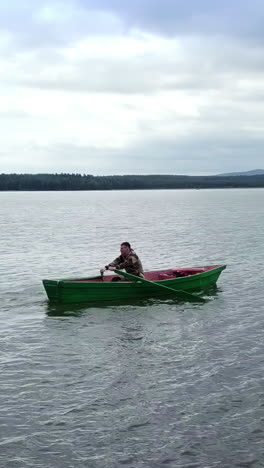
[{"x": 131, "y": 87}]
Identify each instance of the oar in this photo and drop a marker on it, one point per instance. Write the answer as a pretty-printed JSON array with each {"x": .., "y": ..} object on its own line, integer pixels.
[{"x": 178, "y": 292}]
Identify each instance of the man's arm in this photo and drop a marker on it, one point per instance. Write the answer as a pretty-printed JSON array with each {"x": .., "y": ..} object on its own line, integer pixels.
[
  {"x": 113, "y": 265},
  {"x": 129, "y": 261}
]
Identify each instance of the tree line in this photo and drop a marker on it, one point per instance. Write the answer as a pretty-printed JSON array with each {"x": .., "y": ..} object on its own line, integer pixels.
[{"x": 42, "y": 182}]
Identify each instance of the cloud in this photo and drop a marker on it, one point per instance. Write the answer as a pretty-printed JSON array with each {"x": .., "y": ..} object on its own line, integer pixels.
[
  {"x": 175, "y": 17},
  {"x": 94, "y": 87},
  {"x": 51, "y": 24}
]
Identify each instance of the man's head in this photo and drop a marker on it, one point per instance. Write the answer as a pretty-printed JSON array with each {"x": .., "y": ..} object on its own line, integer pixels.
[{"x": 125, "y": 249}]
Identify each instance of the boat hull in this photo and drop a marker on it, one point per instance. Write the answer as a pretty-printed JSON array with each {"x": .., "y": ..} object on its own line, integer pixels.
[{"x": 94, "y": 290}]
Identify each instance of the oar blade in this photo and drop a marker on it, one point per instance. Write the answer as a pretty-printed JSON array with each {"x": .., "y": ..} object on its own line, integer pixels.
[{"x": 179, "y": 293}]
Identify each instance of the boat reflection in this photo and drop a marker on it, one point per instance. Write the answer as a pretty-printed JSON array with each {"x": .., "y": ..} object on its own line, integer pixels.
[
  {"x": 57, "y": 309},
  {"x": 75, "y": 309}
]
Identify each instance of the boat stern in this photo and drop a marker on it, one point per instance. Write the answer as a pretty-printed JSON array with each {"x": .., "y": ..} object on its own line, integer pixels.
[{"x": 52, "y": 289}]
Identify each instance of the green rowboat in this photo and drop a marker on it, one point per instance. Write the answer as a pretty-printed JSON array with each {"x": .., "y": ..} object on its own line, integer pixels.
[{"x": 97, "y": 289}]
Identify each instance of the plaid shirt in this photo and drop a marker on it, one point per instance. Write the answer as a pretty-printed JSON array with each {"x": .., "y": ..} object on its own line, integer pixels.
[{"x": 131, "y": 264}]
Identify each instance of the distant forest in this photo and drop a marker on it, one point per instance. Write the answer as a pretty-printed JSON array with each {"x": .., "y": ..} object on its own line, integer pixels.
[{"x": 28, "y": 182}]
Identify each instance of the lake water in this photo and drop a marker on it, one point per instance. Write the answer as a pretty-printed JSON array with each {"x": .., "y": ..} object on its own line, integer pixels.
[{"x": 157, "y": 383}]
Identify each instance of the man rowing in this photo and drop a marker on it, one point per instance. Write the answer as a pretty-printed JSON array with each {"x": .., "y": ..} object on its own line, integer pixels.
[{"x": 128, "y": 260}]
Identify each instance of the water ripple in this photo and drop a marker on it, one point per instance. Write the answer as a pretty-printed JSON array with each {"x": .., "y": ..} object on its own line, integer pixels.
[{"x": 152, "y": 384}]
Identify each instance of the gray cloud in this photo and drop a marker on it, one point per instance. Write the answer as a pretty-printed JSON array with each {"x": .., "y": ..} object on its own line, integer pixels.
[
  {"x": 201, "y": 154},
  {"x": 217, "y": 66},
  {"x": 213, "y": 57},
  {"x": 45, "y": 23},
  {"x": 174, "y": 17}
]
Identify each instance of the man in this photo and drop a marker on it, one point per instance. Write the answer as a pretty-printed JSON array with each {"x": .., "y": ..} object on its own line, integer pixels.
[{"x": 128, "y": 260}]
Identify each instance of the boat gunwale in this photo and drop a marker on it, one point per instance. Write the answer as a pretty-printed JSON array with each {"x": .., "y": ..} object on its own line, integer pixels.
[{"x": 84, "y": 281}]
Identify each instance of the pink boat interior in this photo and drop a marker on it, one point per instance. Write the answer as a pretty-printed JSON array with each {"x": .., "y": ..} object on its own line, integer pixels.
[{"x": 157, "y": 275}]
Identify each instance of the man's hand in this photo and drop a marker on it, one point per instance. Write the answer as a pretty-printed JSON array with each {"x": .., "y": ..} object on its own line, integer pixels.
[{"x": 111, "y": 268}]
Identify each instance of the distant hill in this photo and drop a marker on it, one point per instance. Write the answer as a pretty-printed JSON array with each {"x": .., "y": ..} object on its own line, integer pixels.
[
  {"x": 245, "y": 173},
  {"x": 72, "y": 182}
]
